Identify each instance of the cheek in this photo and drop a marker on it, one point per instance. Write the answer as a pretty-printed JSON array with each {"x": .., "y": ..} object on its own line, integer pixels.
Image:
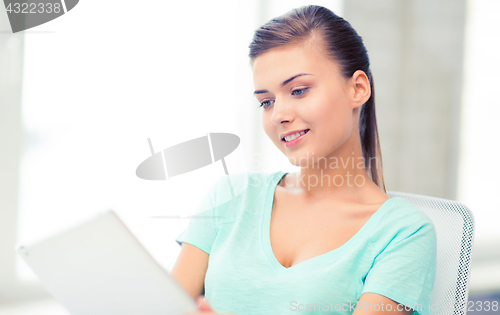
[
  {"x": 321, "y": 109},
  {"x": 329, "y": 114}
]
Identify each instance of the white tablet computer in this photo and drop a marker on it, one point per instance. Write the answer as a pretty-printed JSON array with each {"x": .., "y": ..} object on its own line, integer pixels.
[{"x": 100, "y": 268}]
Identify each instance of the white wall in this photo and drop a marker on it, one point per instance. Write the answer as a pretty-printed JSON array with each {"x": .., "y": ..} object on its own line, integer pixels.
[{"x": 108, "y": 75}]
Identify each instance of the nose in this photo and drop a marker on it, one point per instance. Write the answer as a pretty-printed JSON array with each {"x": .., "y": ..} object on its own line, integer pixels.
[{"x": 282, "y": 113}]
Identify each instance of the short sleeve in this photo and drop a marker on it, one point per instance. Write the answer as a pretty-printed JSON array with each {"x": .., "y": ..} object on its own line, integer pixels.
[
  {"x": 405, "y": 269},
  {"x": 201, "y": 230}
]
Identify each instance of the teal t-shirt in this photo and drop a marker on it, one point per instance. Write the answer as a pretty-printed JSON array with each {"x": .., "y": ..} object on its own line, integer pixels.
[{"x": 393, "y": 254}]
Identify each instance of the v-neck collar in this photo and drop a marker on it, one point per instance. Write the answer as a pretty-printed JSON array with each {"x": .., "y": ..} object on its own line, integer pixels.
[{"x": 266, "y": 230}]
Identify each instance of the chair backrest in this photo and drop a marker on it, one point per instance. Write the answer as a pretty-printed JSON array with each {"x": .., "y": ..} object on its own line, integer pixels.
[{"x": 454, "y": 225}]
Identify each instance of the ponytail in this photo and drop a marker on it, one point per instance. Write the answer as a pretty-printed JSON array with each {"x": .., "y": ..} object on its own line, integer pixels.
[{"x": 370, "y": 143}]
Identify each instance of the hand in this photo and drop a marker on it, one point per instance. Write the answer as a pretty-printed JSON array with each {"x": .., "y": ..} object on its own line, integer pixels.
[{"x": 205, "y": 308}]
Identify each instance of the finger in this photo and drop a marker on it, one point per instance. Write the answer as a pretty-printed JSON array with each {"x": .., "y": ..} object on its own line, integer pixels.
[{"x": 203, "y": 304}]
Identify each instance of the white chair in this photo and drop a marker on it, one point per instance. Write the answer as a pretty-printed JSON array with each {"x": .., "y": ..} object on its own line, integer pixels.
[{"x": 454, "y": 225}]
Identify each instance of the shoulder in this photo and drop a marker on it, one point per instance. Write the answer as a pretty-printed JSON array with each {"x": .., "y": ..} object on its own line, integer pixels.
[
  {"x": 233, "y": 185},
  {"x": 248, "y": 177},
  {"x": 403, "y": 211},
  {"x": 401, "y": 220},
  {"x": 234, "y": 193}
]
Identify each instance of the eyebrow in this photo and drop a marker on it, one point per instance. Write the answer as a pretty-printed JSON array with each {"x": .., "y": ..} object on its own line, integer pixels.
[{"x": 282, "y": 84}]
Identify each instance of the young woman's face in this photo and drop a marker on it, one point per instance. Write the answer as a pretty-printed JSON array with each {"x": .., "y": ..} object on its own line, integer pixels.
[{"x": 300, "y": 89}]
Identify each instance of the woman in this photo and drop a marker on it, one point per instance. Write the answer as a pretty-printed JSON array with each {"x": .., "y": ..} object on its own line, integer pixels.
[{"x": 326, "y": 238}]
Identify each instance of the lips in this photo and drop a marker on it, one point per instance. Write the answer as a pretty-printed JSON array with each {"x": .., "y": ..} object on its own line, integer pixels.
[
  {"x": 294, "y": 142},
  {"x": 283, "y": 136}
]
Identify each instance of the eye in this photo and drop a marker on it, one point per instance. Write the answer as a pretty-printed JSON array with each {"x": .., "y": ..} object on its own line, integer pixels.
[
  {"x": 266, "y": 104},
  {"x": 299, "y": 92}
]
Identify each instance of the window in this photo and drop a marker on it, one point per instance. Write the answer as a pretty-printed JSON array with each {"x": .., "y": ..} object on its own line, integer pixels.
[{"x": 99, "y": 82}]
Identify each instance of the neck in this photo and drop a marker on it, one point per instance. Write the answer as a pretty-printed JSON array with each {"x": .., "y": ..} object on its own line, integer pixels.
[{"x": 341, "y": 174}]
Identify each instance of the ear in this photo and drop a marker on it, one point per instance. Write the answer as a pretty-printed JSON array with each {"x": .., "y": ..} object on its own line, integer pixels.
[{"x": 361, "y": 90}]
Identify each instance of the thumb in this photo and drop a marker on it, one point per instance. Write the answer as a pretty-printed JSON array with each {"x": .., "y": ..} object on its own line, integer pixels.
[{"x": 203, "y": 304}]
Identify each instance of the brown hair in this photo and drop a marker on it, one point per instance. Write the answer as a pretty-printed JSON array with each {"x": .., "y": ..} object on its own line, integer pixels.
[{"x": 343, "y": 45}]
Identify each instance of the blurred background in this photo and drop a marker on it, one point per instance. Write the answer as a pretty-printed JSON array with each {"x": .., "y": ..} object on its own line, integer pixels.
[{"x": 80, "y": 95}]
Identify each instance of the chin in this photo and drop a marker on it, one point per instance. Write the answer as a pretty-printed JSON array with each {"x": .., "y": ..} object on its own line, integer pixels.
[{"x": 302, "y": 160}]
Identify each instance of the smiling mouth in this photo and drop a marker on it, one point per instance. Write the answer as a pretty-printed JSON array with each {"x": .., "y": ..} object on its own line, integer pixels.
[{"x": 294, "y": 137}]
